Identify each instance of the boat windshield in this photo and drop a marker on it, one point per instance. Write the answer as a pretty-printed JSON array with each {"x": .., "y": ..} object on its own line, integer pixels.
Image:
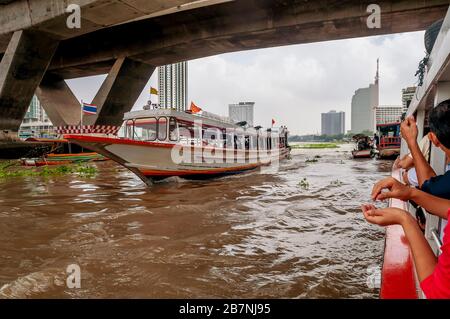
[
  {"x": 145, "y": 129},
  {"x": 150, "y": 129}
]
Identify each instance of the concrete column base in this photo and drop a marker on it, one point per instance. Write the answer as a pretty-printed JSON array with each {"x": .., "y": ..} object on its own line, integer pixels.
[{"x": 21, "y": 69}]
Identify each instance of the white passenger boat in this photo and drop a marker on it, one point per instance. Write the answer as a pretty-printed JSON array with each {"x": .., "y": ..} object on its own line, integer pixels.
[{"x": 161, "y": 143}]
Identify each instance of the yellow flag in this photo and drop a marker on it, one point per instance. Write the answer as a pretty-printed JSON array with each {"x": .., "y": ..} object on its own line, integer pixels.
[{"x": 153, "y": 91}]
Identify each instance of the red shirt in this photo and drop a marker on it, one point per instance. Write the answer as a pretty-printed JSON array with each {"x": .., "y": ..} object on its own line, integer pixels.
[{"x": 437, "y": 285}]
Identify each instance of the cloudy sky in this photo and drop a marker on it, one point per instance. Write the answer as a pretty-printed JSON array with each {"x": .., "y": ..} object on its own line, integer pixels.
[{"x": 294, "y": 84}]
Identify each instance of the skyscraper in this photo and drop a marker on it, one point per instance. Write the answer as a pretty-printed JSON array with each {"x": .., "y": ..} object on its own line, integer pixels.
[
  {"x": 333, "y": 123},
  {"x": 364, "y": 103},
  {"x": 172, "y": 84},
  {"x": 36, "y": 122},
  {"x": 243, "y": 111}
]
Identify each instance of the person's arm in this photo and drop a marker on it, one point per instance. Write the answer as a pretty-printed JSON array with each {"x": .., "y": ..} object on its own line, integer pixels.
[
  {"x": 424, "y": 259},
  {"x": 409, "y": 134},
  {"x": 406, "y": 162},
  {"x": 434, "y": 205},
  {"x": 423, "y": 169}
]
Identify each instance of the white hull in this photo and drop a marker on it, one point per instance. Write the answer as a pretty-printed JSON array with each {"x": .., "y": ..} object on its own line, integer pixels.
[{"x": 154, "y": 160}]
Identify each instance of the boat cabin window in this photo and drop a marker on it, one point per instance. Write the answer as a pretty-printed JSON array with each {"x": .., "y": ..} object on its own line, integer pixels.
[
  {"x": 262, "y": 143},
  {"x": 275, "y": 143},
  {"x": 173, "y": 132},
  {"x": 145, "y": 129},
  {"x": 162, "y": 128},
  {"x": 229, "y": 141},
  {"x": 186, "y": 133},
  {"x": 247, "y": 142},
  {"x": 254, "y": 142},
  {"x": 129, "y": 129}
]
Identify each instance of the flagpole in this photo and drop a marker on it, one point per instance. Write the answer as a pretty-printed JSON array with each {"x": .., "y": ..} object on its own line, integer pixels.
[{"x": 81, "y": 117}]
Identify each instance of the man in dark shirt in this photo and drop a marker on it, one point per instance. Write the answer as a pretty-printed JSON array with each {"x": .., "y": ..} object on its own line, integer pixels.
[
  {"x": 439, "y": 121},
  {"x": 438, "y": 185}
]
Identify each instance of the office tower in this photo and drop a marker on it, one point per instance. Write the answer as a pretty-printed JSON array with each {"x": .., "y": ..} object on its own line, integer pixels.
[
  {"x": 333, "y": 123},
  {"x": 172, "y": 85}
]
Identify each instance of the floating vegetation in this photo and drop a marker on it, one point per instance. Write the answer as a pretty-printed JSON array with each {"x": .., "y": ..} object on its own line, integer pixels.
[
  {"x": 317, "y": 156},
  {"x": 13, "y": 169},
  {"x": 315, "y": 146},
  {"x": 304, "y": 184},
  {"x": 314, "y": 160}
]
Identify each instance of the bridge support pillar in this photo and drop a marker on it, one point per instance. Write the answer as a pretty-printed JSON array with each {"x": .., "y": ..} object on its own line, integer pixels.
[
  {"x": 119, "y": 91},
  {"x": 21, "y": 69},
  {"x": 58, "y": 101}
]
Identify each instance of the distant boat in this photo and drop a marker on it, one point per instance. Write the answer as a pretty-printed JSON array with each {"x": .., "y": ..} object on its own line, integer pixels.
[
  {"x": 161, "y": 143},
  {"x": 363, "y": 147},
  {"x": 390, "y": 140}
]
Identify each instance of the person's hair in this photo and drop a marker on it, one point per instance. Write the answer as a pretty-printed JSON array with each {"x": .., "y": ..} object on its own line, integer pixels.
[{"x": 439, "y": 121}]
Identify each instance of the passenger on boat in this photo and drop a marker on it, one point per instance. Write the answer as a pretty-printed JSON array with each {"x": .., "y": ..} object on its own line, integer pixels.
[
  {"x": 439, "y": 121},
  {"x": 434, "y": 275},
  {"x": 406, "y": 163}
]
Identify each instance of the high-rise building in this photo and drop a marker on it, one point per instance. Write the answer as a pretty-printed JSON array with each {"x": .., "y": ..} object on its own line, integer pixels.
[
  {"x": 387, "y": 114},
  {"x": 34, "y": 110},
  {"x": 36, "y": 122},
  {"x": 407, "y": 96},
  {"x": 333, "y": 123},
  {"x": 172, "y": 84},
  {"x": 242, "y": 111},
  {"x": 364, "y": 103}
]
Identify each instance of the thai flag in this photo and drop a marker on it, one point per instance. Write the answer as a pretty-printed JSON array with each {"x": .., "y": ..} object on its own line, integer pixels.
[{"x": 89, "y": 108}]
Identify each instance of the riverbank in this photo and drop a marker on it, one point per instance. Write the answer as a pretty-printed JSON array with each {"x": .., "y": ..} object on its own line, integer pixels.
[
  {"x": 13, "y": 168},
  {"x": 314, "y": 145}
]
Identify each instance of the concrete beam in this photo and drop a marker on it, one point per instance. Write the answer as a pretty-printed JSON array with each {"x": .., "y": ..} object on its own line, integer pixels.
[
  {"x": 119, "y": 91},
  {"x": 50, "y": 15},
  {"x": 21, "y": 70},
  {"x": 221, "y": 28},
  {"x": 58, "y": 101}
]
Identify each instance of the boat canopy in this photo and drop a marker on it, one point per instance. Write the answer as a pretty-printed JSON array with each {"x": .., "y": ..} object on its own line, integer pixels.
[{"x": 207, "y": 118}]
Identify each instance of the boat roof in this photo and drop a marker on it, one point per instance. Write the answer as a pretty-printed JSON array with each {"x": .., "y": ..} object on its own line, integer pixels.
[{"x": 206, "y": 117}]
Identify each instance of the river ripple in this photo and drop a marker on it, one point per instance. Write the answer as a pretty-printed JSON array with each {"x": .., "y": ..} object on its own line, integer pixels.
[{"x": 247, "y": 236}]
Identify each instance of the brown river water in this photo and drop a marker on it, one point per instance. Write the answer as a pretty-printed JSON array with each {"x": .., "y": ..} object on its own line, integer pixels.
[{"x": 247, "y": 236}]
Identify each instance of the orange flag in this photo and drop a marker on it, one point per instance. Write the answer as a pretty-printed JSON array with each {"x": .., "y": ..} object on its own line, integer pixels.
[{"x": 195, "y": 108}]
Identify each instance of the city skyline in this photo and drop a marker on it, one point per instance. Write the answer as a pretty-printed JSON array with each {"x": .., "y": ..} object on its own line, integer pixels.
[{"x": 295, "y": 84}]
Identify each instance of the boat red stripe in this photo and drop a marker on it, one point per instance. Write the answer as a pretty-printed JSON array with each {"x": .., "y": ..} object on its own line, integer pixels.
[
  {"x": 397, "y": 277},
  {"x": 198, "y": 172}
]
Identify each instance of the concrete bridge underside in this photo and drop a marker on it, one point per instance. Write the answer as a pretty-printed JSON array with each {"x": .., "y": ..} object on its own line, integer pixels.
[{"x": 127, "y": 39}]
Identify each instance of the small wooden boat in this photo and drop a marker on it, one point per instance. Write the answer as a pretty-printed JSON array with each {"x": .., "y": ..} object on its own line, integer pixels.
[
  {"x": 61, "y": 153},
  {"x": 161, "y": 143},
  {"x": 363, "y": 148}
]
